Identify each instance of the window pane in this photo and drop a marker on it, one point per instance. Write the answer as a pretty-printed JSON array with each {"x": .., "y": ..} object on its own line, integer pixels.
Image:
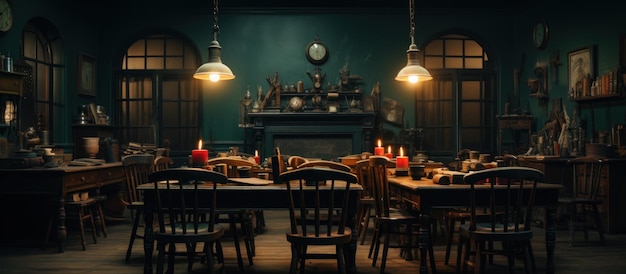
[
  {"x": 473, "y": 49},
  {"x": 454, "y": 47},
  {"x": 454, "y": 62},
  {"x": 471, "y": 90}
]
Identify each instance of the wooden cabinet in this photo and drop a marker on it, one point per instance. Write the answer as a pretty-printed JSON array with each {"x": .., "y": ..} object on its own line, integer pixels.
[
  {"x": 612, "y": 192},
  {"x": 11, "y": 85}
]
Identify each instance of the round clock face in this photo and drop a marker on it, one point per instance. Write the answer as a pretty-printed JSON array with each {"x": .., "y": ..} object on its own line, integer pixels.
[
  {"x": 316, "y": 52},
  {"x": 6, "y": 15},
  {"x": 540, "y": 34}
]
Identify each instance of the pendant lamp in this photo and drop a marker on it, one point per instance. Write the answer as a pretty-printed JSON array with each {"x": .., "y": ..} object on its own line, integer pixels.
[
  {"x": 413, "y": 71},
  {"x": 214, "y": 69}
]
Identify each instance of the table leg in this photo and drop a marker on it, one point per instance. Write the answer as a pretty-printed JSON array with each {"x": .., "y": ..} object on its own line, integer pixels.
[
  {"x": 148, "y": 240},
  {"x": 61, "y": 229},
  {"x": 424, "y": 241},
  {"x": 350, "y": 252},
  {"x": 550, "y": 215}
]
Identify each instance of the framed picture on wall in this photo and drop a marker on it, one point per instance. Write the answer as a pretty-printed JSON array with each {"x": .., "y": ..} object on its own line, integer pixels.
[
  {"x": 581, "y": 68},
  {"x": 86, "y": 75}
]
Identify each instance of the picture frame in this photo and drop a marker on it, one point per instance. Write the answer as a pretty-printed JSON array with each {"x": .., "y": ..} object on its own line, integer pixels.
[
  {"x": 580, "y": 64},
  {"x": 86, "y": 75}
]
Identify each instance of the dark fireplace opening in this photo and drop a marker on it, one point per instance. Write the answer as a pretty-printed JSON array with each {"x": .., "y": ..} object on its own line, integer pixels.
[{"x": 325, "y": 146}]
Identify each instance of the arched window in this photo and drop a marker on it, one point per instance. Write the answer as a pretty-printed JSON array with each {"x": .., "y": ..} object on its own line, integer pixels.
[
  {"x": 457, "y": 110},
  {"x": 42, "y": 62},
  {"x": 157, "y": 100}
]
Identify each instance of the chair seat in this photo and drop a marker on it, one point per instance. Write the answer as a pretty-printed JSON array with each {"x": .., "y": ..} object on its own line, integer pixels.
[
  {"x": 574, "y": 200},
  {"x": 499, "y": 232},
  {"x": 310, "y": 239}
]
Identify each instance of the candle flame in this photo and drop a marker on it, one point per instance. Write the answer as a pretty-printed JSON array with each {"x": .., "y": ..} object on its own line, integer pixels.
[
  {"x": 389, "y": 149},
  {"x": 379, "y": 144},
  {"x": 200, "y": 144},
  {"x": 401, "y": 152},
  {"x": 256, "y": 153}
]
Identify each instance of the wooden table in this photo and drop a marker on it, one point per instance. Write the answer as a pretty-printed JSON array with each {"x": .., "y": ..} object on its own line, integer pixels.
[
  {"x": 427, "y": 195},
  {"x": 58, "y": 182},
  {"x": 247, "y": 196}
]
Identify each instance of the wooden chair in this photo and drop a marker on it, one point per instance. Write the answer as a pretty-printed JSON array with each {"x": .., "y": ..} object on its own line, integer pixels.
[
  {"x": 326, "y": 163},
  {"x": 294, "y": 161},
  {"x": 462, "y": 215},
  {"x": 136, "y": 169},
  {"x": 184, "y": 218},
  {"x": 508, "y": 195},
  {"x": 584, "y": 202},
  {"x": 318, "y": 231},
  {"x": 366, "y": 202},
  {"x": 391, "y": 222},
  {"x": 80, "y": 211},
  {"x": 243, "y": 217},
  {"x": 162, "y": 162}
]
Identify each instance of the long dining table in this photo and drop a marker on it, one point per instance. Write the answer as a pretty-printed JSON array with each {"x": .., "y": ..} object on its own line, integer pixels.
[
  {"x": 247, "y": 193},
  {"x": 427, "y": 195}
]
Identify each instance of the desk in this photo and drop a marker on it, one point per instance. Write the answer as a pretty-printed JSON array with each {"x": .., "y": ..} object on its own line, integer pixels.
[
  {"x": 515, "y": 123},
  {"x": 428, "y": 195},
  {"x": 246, "y": 197},
  {"x": 58, "y": 182}
]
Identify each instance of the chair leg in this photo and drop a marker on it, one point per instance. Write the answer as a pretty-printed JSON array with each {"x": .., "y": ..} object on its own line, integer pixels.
[
  {"x": 233, "y": 229},
  {"x": 101, "y": 221},
  {"x": 599, "y": 225},
  {"x": 450, "y": 224},
  {"x": 133, "y": 234},
  {"x": 365, "y": 225}
]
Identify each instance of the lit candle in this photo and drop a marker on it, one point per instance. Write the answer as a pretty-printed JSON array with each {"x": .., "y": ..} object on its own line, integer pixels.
[
  {"x": 389, "y": 154},
  {"x": 257, "y": 159},
  {"x": 199, "y": 156},
  {"x": 379, "y": 150},
  {"x": 402, "y": 162}
]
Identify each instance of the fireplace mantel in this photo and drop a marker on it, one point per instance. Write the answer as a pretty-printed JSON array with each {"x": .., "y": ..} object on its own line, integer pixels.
[{"x": 313, "y": 134}]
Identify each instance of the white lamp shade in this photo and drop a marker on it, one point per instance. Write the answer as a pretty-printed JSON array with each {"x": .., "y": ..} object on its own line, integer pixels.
[
  {"x": 214, "y": 69},
  {"x": 413, "y": 71}
]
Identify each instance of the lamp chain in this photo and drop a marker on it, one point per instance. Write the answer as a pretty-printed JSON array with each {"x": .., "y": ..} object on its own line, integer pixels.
[
  {"x": 412, "y": 19},
  {"x": 216, "y": 28}
]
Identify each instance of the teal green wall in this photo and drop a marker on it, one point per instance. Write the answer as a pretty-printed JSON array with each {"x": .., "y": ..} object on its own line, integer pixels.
[{"x": 373, "y": 42}]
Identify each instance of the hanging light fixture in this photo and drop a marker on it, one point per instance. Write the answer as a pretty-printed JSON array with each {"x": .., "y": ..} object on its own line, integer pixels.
[
  {"x": 214, "y": 69},
  {"x": 413, "y": 71}
]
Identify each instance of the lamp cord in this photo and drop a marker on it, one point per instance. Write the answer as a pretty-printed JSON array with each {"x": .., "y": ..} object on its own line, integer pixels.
[
  {"x": 216, "y": 28},
  {"x": 412, "y": 24}
]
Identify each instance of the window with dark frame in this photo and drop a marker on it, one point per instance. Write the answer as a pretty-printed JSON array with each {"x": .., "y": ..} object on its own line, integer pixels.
[
  {"x": 158, "y": 101},
  {"x": 457, "y": 109}
]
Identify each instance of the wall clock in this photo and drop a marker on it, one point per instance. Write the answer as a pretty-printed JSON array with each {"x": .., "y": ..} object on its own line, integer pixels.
[
  {"x": 316, "y": 52},
  {"x": 6, "y": 15},
  {"x": 540, "y": 34}
]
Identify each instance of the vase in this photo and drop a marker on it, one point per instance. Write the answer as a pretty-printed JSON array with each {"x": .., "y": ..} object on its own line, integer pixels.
[{"x": 91, "y": 146}]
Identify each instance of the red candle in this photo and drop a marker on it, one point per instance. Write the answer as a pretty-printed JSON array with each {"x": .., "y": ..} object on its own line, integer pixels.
[
  {"x": 257, "y": 159},
  {"x": 389, "y": 154},
  {"x": 199, "y": 156},
  {"x": 402, "y": 162},
  {"x": 379, "y": 150}
]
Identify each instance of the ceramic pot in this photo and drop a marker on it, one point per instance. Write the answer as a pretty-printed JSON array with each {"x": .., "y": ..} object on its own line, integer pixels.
[{"x": 91, "y": 146}]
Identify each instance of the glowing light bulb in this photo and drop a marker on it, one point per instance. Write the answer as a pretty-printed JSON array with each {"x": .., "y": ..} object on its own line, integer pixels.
[
  {"x": 214, "y": 77},
  {"x": 413, "y": 79}
]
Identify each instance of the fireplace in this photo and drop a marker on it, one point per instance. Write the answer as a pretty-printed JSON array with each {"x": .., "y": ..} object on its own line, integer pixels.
[{"x": 313, "y": 134}]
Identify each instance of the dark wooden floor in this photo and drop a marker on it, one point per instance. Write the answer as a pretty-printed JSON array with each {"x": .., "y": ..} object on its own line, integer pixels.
[{"x": 273, "y": 255}]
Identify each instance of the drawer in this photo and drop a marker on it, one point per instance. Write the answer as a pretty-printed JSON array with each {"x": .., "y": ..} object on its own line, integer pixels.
[
  {"x": 81, "y": 180},
  {"x": 111, "y": 175}
]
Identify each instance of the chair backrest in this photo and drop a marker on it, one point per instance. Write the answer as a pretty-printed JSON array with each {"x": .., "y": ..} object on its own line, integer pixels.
[
  {"x": 162, "y": 162},
  {"x": 587, "y": 172},
  {"x": 362, "y": 171},
  {"x": 294, "y": 161},
  {"x": 508, "y": 195},
  {"x": 311, "y": 182},
  {"x": 278, "y": 165},
  {"x": 185, "y": 212},
  {"x": 232, "y": 163},
  {"x": 380, "y": 187},
  {"x": 136, "y": 169},
  {"x": 327, "y": 164}
]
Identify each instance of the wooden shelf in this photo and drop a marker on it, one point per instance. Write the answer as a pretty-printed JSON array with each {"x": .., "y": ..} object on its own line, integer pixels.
[{"x": 596, "y": 98}]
